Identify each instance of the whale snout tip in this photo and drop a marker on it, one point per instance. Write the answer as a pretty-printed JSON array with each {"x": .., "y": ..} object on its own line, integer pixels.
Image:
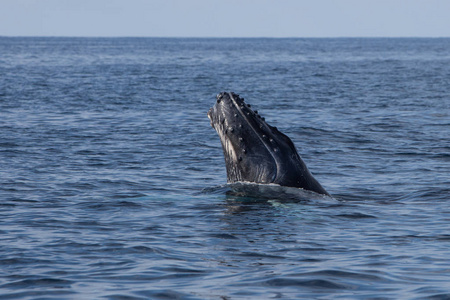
[{"x": 219, "y": 96}]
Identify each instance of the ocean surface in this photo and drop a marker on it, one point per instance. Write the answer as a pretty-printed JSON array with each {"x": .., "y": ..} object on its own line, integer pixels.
[{"x": 113, "y": 183}]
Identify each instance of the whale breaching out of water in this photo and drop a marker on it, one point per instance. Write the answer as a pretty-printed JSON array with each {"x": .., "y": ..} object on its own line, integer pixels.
[{"x": 255, "y": 151}]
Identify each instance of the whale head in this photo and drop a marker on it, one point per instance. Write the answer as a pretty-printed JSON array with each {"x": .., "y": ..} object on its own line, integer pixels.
[{"x": 254, "y": 151}]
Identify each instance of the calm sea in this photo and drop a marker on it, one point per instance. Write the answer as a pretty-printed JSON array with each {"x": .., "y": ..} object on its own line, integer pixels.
[{"x": 113, "y": 184}]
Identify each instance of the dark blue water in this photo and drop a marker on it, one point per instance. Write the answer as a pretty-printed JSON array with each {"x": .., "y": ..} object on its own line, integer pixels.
[{"x": 112, "y": 182}]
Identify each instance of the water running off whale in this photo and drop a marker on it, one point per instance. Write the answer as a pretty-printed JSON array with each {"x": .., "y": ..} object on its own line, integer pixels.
[{"x": 254, "y": 151}]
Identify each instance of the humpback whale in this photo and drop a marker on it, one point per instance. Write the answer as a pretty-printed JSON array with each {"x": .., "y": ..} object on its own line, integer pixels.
[{"x": 254, "y": 151}]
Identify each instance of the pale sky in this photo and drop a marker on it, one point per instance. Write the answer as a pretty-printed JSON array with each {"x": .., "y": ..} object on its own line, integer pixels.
[{"x": 226, "y": 18}]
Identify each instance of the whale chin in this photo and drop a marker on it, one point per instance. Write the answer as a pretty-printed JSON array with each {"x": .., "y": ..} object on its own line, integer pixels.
[{"x": 254, "y": 151}]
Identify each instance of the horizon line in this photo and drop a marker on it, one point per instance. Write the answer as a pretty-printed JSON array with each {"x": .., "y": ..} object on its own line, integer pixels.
[{"x": 226, "y": 37}]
